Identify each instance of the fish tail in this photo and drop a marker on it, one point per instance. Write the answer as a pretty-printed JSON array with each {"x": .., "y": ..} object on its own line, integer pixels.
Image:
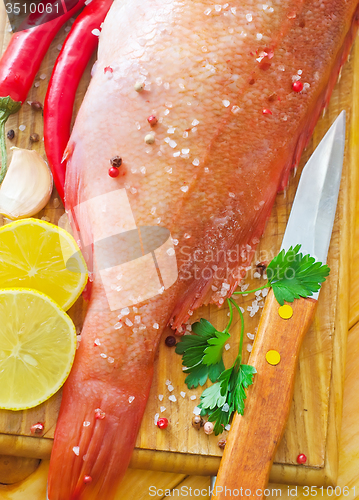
[{"x": 94, "y": 440}]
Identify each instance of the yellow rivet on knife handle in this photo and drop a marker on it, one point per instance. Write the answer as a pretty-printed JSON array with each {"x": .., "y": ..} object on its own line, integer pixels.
[
  {"x": 285, "y": 312},
  {"x": 273, "y": 357}
]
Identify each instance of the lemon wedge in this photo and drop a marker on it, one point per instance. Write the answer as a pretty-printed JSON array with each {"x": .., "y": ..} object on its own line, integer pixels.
[
  {"x": 39, "y": 255},
  {"x": 37, "y": 348}
]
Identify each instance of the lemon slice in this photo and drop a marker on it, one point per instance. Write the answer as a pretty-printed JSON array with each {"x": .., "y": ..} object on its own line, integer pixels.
[
  {"x": 39, "y": 255},
  {"x": 37, "y": 348}
]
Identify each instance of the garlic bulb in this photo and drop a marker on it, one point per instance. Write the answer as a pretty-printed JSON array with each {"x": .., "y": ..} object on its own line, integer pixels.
[{"x": 27, "y": 186}]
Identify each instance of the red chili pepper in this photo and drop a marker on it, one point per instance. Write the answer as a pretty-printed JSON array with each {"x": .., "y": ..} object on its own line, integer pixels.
[
  {"x": 18, "y": 67},
  {"x": 69, "y": 67}
]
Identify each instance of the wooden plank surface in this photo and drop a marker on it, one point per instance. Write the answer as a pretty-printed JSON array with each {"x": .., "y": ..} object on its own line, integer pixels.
[{"x": 317, "y": 401}]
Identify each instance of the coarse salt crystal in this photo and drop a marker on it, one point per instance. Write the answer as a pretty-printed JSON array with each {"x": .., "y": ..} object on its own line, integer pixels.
[
  {"x": 43, "y": 76},
  {"x": 195, "y": 162},
  {"x": 259, "y": 36},
  {"x": 160, "y": 397},
  {"x": 157, "y": 415},
  {"x": 225, "y": 407},
  {"x": 177, "y": 153},
  {"x": 265, "y": 292},
  {"x": 59, "y": 47},
  {"x": 118, "y": 325},
  {"x": 22, "y": 127},
  {"x": 86, "y": 423},
  {"x": 226, "y": 103},
  {"x": 256, "y": 275},
  {"x": 96, "y": 32},
  {"x": 172, "y": 144},
  {"x": 76, "y": 450},
  {"x": 184, "y": 189},
  {"x": 125, "y": 311},
  {"x": 185, "y": 134},
  {"x": 183, "y": 394},
  {"x": 37, "y": 84},
  {"x": 218, "y": 8},
  {"x": 143, "y": 170},
  {"x": 172, "y": 398},
  {"x": 185, "y": 151},
  {"x": 103, "y": 355},
  {"x": 195, "y": 122},
  {"x": 226, "y": 286},
  {"x": 207, "y": 11},
  {"x": 197, "y": 411},
  {"x": 68, "y": 28},
  {"x": 131, "y": 398},
  {"x": 162, "y": 409},
  {"x": 170, "y": 252},
  {"x": 156, "y": 326},
  {"x": 170, "y": 387},
  {"x": 128, "y": 322},
  {"x": 97, "y": 342},
  {"x": 249, "y": 347},
  {"x": 168, "y": 382},
  {"x": 227, "y": 427},
  {"x": 250, "y": 336},
  {"x": 249, "y": 17},
  {"x": 193, "y": 397},
  {"x": 227, "y": 346},
  {"x": 171, "y": 130}
]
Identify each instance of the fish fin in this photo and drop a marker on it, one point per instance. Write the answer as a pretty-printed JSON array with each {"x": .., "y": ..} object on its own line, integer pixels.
[{"x": 99, "y": 448}]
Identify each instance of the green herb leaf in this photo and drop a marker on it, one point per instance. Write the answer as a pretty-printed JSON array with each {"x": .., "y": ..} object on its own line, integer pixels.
[
  {"x": 244, "y": 380},
  {"x": 292, "y": 275},
  {"x": 225, "y": 397},
  {"x": 213, "y": 353},
  {"x": 202, "y": 353}
]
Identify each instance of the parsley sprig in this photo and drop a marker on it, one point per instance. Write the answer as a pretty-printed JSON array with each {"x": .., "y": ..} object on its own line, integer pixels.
[
  {"x": 291, "y": 275},
  {"x": 221, "y": 400}
]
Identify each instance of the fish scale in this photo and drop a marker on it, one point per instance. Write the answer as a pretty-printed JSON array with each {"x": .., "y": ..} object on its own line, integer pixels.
[{"x": 209, "y": 76}]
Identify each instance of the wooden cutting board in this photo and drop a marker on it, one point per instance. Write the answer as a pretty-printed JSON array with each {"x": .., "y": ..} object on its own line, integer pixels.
[{"x": 315, "y": 418}]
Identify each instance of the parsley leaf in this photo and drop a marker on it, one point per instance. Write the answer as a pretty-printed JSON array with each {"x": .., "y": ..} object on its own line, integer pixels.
[
  {"x": 292, "y": 275},
  {"x": 220, "y": 400},
  {"x": 202, "y": 353}
]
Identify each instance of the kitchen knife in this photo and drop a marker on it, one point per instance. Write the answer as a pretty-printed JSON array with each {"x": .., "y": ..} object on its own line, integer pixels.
[{"x": 255, "y": 436}]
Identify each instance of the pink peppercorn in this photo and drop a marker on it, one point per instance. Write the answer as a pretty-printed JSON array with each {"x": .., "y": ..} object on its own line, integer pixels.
[{"x": 297, "y": 86}]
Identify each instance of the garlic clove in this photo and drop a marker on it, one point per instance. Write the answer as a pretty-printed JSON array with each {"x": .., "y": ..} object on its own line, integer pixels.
[{"x": 27, "y": 186}]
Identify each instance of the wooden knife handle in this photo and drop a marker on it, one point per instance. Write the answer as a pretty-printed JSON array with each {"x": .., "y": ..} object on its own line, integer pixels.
[{"x": 254, "y": 437}]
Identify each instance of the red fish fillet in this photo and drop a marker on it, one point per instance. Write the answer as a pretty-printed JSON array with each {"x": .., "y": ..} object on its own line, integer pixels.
[{"x": 219, "y": 80}]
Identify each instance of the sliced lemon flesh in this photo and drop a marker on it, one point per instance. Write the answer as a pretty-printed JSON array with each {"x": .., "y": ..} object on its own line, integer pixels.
[
  {"x": 39, "y": 255},
  {"x": 37, "y": 348}
]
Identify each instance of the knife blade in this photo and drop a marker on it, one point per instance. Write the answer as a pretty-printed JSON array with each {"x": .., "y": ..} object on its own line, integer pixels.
[{"x": 255, "y": 436}]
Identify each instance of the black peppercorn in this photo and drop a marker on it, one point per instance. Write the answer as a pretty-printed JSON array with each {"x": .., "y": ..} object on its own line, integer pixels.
[
  {"x": 10, "y": 134},
  {"x": 34, "y": 137},
  {"x": 170, "y": 341},
  {"x": 116, "y": 161}
]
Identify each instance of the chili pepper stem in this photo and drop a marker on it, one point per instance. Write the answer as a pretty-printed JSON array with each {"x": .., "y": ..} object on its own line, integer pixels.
[{"x": 7, "y": 107}]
